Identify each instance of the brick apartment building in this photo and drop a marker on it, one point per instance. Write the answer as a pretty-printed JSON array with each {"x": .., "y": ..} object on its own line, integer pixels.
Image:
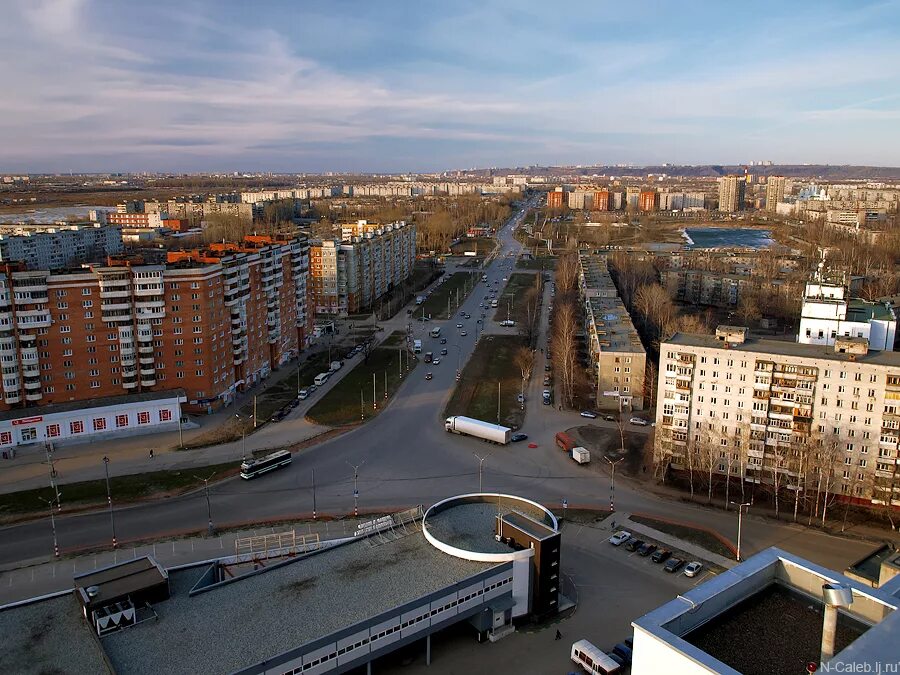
[
  {"x": 601, "y": 200},
  {"x": 208, "y": 322},
  {"x": 556, "y": 199},
  {"x": 349, "y": 274},
  {"x": 648, "y": 200}
]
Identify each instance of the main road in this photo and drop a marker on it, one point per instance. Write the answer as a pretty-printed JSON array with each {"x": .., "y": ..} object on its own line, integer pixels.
[{"x": 404, "y": 457}]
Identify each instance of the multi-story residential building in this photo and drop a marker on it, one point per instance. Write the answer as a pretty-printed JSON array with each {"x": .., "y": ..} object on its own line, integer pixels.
[
  {"x": 350, "y": 274},
  {"x": 618, "y": 358},
  {"x": 781, "y": 415},
  {"x": 208, "y": 322},
  {"x": 774, "y": 192},
  {"x": 53, "y": 248},
  {"x": 632, "y": 197},
  {"x": 731, "y": 194},
  {"x": 556, "y": 198},
  {"x": 601, "y": 200},
  {"x": 648, "y": 200}
]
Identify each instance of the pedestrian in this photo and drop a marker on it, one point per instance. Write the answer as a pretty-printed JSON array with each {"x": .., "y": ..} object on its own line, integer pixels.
[
  {"x": 151, "y": 453},
  {"x": 558, "y": 635}
]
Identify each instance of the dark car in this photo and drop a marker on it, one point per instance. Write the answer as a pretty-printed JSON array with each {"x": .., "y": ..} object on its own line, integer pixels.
[
  {"x": 443, "y": 341},
  {"x": 428, "y": 376},
  {"x": 634, "y": 544},
  {"x": 646, "y": 549},
  {"x": 515, "y": 438},
  {"x": 660, "y": 555},
  {"x": 443, "y": 352},
  {"x": 618, "y": 659},
  {"x": 609, "y": 418},
  {"x": 673, "y": 565},
  {"x": 624, "y": 651}
]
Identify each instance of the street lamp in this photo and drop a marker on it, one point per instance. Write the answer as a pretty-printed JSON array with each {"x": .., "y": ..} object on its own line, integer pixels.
[
  {"x": 112, "y": 517},
  {"x": 612, "y": 482},
  {"x": 52, "y": 525},
  {"x": 243, "y": 437},
  {"x": 480, "y": 469},
  {"x": 355, "y": 468},
  {"x": 209, "y": 524},
  {"x": 740, "y": 516}
]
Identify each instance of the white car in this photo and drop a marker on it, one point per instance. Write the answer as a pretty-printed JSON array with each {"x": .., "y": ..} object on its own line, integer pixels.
[
  {"x": 302, "y": 394},
  {"x": 620, "y": 538},
  {"x": 435, "y": 362},
  {"x": 459, "y": 325},
  {"x": 692, "y": 569},
  {"x": 639, "y": 421}
]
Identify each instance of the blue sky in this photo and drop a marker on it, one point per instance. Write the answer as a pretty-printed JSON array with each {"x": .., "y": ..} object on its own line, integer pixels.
[{"x": 214, "y": 85}]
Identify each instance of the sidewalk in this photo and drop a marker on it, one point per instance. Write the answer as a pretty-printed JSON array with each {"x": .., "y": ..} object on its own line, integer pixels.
[{"x": 40, "y": 577}]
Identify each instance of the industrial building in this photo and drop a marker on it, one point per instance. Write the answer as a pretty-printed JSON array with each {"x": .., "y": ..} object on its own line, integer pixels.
[{"x": 323, "y": 607}]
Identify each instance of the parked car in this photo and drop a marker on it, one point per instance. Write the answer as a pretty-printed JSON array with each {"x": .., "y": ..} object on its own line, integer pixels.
[
  {"x": 609, "y": 418},
  {"x": 515, "y": 438},
  {"x": 463, "y": 333},
  {"x": 459, "y": 325},
  {"x": 303, "y": 394},
  {"x": 673, "y": 565},
  {"x": 546, "y": 367},
  {"x": 589, "y": 414},
  {"x": 546, "y": 400},
  {"x": 660, "y": 555},
  {"x": 640, "y": 421},
  {"x": 311, "y": 388},
  {"x": 443, "y": 352},
  {"x": 546, "y": 393},
  {"x": 633, "y": 544},
  {"x": 624, "y": 651},
  {"x": 620, "y": 538},
  {"x": 646, "y": 549},
  {"x": 428, "y": 376},
  {"x": 443, "y": 341},
  {"x": 692, "y": 569}
]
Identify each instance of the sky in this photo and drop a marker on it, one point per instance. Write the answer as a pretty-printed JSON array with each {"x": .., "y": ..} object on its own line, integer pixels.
[{"x": 391, "y": 86}]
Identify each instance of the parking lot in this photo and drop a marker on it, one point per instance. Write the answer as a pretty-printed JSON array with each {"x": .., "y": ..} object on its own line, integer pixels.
[{"x": 613, "y": 587}]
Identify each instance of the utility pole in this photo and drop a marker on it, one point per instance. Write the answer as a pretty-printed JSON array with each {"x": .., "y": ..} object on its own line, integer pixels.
[
  {"x": 254, "y": 411},
  {"x": 400, "y": 361},
  {"x": 355, "y": 468},
  {"x": 112, "y": 517},
  {"x": 314, "y": 492},
  {"x": 180, "y": 431},
  {"x": 481, "y": 470},
  {"x": 243, "y": 436},
  {"x": 374, "y": 400},
  {"x": 210, "y": 530},
  {"x": 362, "y": 406},
  {"x": 298, "y": 377},
  {"x": 385, "y": 385},
  {"x": 498, "y": 401},
  {"x": 740, "y": 516},
  {"x": 48, "y": 447},
  {"x": 612, "y": 483},
  {"x": 52, "y": 527}
]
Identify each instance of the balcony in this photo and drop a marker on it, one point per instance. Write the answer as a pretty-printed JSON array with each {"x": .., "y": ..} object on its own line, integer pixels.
[
  {"x": 148, "y": 289},
  {"x": 115, "y": 294},
  {"x": 115, "y": 307},
  {"x": 12, "y": 397},
  {"x": 33, "y": 396},
  {"x": 147, "y": 371},
  {"x": 129, "y": 385},
  {"x": 31, "y": 371},
  {"x": 148, "y": 381},
  {"x": 145, "y": 360},
  {"x": 32, "y": 385}
]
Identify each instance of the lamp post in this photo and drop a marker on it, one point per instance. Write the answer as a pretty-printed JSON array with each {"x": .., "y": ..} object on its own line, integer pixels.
[
  {"x": 480, "y": 469},
  {"x": 740, "y": 517},
  {"x": 355, "y": 468},
  {"x": 612, "y": 482},
  {"x": 52, "y": 526},
  {"x": 112, "y": 517},
  {"x": 243, "y": 437},
  {"x": 209, "y": 523}
]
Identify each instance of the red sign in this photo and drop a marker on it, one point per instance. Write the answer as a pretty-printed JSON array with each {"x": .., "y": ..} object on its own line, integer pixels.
[{"x": 28, "y": 420}]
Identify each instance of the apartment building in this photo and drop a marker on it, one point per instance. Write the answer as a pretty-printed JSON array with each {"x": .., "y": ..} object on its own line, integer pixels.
[
  {"x": 617, "y": 357},
  {"x": 648, "y": 200},
  {"x": 53, "y": 248},
  {"x": 601, "y": 200},
  {"x": 556, "y": 199},
  {"x": 781, "y": 415},
  {"x": 349, "y": 274},
  {"x": 829, "y": 313},
  {"x": 774, "y": 192},
  {"x": 207, "y": 322},
  {"x": 731, "y": 194}
]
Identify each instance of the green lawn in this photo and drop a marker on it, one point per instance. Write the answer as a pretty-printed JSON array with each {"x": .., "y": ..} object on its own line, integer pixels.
[
  {"x": 436, "y": 304},
  {"x": 350, "y": 400},
  {"x": 512, "y": 301},
  {"x": 123, "y": 489},
  {"x": 476, "y": 392}
]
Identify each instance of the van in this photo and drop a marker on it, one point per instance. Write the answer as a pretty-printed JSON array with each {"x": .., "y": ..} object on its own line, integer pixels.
[
  {"x": 436, "y": 332},
  {"x": 321, "y": 379},
  {"x": 417, "y": 346},
  {"x": 592, "y": 659}
]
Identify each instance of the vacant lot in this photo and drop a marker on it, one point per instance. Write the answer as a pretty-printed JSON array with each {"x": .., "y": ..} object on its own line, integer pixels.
[
  {"x": 476, "y": 393},
  {"x": 350, "y": 400},
  {"x": 514, "y": 302},
  {"x": 481, "y": 245},
  {"x": 457, "y": 285}
]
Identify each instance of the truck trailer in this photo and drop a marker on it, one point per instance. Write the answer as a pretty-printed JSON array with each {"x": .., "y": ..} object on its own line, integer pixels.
[{"x": 493, "y": 433}]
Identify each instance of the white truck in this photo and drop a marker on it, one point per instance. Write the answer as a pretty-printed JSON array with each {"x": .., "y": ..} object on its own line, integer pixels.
[
  {"x": 468, "y": 426},
  {"x": 417, "y": 346},
  {"x": 581, "y": 455}
]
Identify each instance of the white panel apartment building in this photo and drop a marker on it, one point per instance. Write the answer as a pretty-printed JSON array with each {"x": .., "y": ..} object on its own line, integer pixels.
[
  {"x": 56, "y": 248},
  {"x": 769, "y": 412},
  {"x": 828, "y": 313}
]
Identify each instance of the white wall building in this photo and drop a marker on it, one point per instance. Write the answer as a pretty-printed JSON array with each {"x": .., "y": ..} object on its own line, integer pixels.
[{"x": 828, "y": 313}]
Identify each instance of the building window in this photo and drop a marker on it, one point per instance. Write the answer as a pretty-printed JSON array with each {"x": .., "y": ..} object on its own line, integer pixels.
[
  {"x": 165, "y": 415},
  {"x": 76, "y": 427},
  {"x": 52, "y": 431},
  {"x": 99, "y": 424},
  {"x": 6, "y": 438},
  {"x": 121, "y": 421}
]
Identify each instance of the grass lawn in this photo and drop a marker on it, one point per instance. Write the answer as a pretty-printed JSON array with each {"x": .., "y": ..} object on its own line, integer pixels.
[
  {"x": 476, "y": 393},
  {"x": 342, "y": 405},
  {"x": 581, "y": 516},
  {"x": 542, "y": 262},
  {"x": 696, "y": 536},
  {"x": 481, "y": 245},
  {"x": 123, "y": 489},
  {"x": 513, "y": 298},
  {"x": 436, "y": 304}
]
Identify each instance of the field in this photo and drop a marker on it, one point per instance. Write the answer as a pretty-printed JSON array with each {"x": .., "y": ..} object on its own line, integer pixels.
[
  {"x": 511, "y": 303},
  {"x": 476, "y": 393},
  {"x": 481, "y": 245},
  {"x": 541, "y": 262},
  {"x": 436, "y": 304}
]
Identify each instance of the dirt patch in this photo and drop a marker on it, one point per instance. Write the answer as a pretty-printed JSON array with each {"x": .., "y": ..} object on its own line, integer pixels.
[
  {"x": 700, "y": 537},
  {"x": 297, "y": 588}
]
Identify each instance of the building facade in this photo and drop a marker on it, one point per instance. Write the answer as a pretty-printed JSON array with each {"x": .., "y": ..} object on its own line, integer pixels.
[
  {"x": 58, "y": 247},
  {"x": 828, "y": 313},
  {"x": 648, "y": 200},
  {"x": 774, "y": 192},
  {"x": 783, "y": 416},
  {"x": 731, "y": 194},
  {"x": 556, "y": 199}
]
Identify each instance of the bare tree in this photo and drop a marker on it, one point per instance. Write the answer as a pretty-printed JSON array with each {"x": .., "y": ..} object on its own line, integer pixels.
[
  {"x": 524, "y": 359},
  {"x": 562, "y": 346}
]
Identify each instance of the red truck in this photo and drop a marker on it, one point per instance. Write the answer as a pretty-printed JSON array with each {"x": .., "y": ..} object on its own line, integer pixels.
[{"x": 565, "y": 442}]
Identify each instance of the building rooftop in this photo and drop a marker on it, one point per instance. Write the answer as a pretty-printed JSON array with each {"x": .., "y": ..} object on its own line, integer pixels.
[
  {"x": 764, "y": 346},
  {"x": 69, "y": 406},
  {"x": 862, "y": 310},
  {"x": 472, "y": 526},
  {"x": 615, "y": 331}
]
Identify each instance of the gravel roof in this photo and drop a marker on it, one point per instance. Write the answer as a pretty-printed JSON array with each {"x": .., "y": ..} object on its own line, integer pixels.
[
  {"x": 50, "y": 636},
  {"x": 243, "y": 623},
  {"x": 471, "y": 526}
]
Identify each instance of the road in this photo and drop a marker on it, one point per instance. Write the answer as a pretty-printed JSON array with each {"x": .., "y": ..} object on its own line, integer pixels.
[{"x": 405, "y": 457}]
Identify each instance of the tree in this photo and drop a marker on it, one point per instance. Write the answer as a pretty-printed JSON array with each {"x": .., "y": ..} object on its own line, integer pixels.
[
  {"x": 524, "y": 360},
  {"x": 748, "y": 309},
  {"x": 562, "y": 346},
  {"x": 566, "y": 272}
]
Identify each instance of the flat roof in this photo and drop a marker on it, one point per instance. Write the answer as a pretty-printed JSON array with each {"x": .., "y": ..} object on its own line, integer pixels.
[
  {"x": 762, "y": 346},
  {"x": 258, "y": 617},
  {"x": 117, "y": 581},
  {"x": 529, "y": 525},
  {"x": 870, "y": 566},
  {"x": 69, "y": 406},
  {"x": 471, "y": 526},
  {"x": 50, "y": 636}
]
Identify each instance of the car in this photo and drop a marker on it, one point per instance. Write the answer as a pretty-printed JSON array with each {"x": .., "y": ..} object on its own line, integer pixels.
[
  {"x": 546, "y": 393},
  {"x": 624, "y": 651},
  {"x": 303, "y": 394},
  {"x": 547, "y": 368},
  {"x": 520, "y": 398},
  {"x": 660, "y": 555},
  {"x": 546, "y": 400},
  {"x": 443, "y": 341},
  {"x": 423, "y": 318},
  {"x": 692, "y": 569},
  {"x": 640, "y": 421},
  {"x": 467, "y": 316},
  {"x": 618, "y": 659},
  {"x": 459, "y": 325},
  {"x": 609, "y": 418},
  {"x": 620, "y": 538},
  {"x": 673, "y": 565},
  {"x": 588, "y": 414},
  {"x": 435, "y": 362},
  {"x": 515, "y": 438},
  {"x": 443, "y": 352},
  {"x": 311, "y": 388},
  {"x": 349, "y": 355},
  {"x": 646, "y": 549},
  {"x": 479, "y": 321},
  {"x": 428, "y": 376},
  {"x": 634, "y": 544},
  {"x": 547, "y": 381},
  {"x": 463, "y": 333}
]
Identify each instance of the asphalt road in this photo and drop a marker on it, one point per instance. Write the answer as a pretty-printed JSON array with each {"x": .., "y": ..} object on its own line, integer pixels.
[{"x": 405, "y": 457}]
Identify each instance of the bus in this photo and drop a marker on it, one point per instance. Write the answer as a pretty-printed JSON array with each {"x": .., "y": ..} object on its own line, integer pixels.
[
  {"x": 254, "y": 467},
  {"x": 593, "y": 660}
]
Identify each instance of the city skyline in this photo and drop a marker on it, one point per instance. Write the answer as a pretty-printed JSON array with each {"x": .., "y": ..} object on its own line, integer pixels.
[{"x": 194, "y": 86}]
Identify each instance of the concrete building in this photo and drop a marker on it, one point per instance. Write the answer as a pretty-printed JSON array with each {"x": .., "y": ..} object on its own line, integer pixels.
[
  {"x": 556, "y": 199},
  {"x": 617, "y": 356},
  {"x": 209, "y": 322},
  {"x": 717, "y": 627},
  {"x": 349, "y": 274},
  {"x": 731, "y": 194},
  {"x": 59, "y": 246},
  {"x": 313, "y": 607},
  {"x": 632, "y": 197},
  {"x": 781, "y": 415},
  {"x": 774, "y": 192}
]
